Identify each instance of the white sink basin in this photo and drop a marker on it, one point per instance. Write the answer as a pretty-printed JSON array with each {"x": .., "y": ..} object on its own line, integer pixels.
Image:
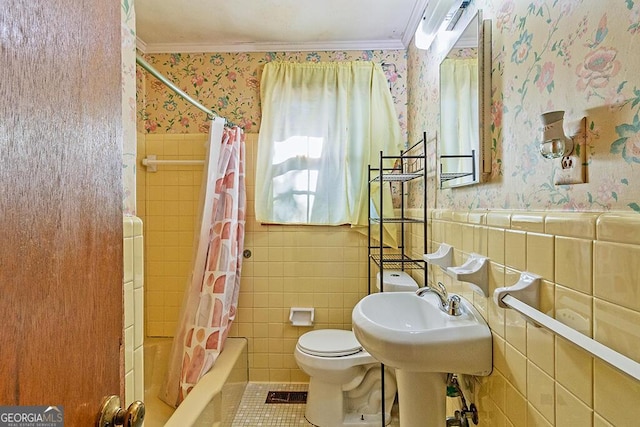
[{"x": 411, "y": 333}]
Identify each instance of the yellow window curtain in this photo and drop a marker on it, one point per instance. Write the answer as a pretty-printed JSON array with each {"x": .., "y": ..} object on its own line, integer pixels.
[
  {"x": 322, "y": 125},
  {"x": 459, "y": 113}
]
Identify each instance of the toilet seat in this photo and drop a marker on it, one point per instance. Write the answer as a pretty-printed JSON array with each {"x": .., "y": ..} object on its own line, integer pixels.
[{"x": 329, "y": 343}]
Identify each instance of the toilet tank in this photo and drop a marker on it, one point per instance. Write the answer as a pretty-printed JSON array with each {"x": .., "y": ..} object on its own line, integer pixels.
[{"x": 396, "y": 281}]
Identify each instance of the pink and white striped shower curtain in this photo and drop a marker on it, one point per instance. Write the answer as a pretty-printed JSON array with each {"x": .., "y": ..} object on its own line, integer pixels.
[{"x": 211, "y": 297}]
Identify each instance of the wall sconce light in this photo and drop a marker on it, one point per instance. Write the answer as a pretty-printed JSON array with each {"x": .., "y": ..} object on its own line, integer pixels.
[
  {"x": 436, "y": 13},
  {"x": 554, "y": 142},
  {"x": 568, "y": 153}
]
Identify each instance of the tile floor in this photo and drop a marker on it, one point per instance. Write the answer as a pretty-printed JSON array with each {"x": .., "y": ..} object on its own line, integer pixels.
[{"x": 255, "y": 413}]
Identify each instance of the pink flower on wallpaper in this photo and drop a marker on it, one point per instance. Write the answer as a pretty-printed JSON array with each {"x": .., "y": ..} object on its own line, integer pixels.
[
  {"x": 203, "y": 127},
  {"x": 503, "y": 19},
  {"x": 232, "y": 76},
  {"x": 150, "y": 125},
  {"x": 197, "y": 80},
  {"x": 246, "y": 124},
  {"x": 252, "y": 82},
  {"x": 184, "y": 121},
  {"x": 598, "y": 67},
  {"x": 614, "y": 98},
  {"x": 496, "y": 113},
  {"x": 545, "y": 79},
  {"x": 606, "y": 191},
  {"x": 567, "y": 7},
  {"x": 633, "y": 145},
  {"x": 157, "y": 85}
]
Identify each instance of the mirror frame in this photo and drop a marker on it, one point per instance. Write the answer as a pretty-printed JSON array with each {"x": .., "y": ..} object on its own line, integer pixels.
[{"x": 483, "y": 164}]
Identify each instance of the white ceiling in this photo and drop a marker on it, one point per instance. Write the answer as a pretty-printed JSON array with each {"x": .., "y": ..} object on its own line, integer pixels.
[{"x": 275, "y": 25}]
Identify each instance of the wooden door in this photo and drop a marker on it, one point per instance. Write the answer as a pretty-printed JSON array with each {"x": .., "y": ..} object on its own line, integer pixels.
[{"x": 60, "y": 205}]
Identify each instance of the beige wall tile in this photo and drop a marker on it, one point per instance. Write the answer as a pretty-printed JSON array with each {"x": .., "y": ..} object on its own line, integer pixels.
[
  {"x": 574, "y": 263},
  {"x": 453, "y": 234},
  {"x": 615, "y": 395},
  {"x": 467, "y": 231},
  {"x": 491, "y": 414},
  {"x": 570, "y": 410},
  {"x": 494, "y": 387},
  {"x": 535, "y": 418},
  {"x": 617, "y": 328},
  {"x": 495, "y": 245},
  {"x": 496, "y": 315},
  {"x": 529, "y": 221},
  {"x": 540, "y": 255},
  {"x": 541, "y": 391},
  {"x": 459, "y": 216},
  {"x": 499, "y": 355},
  {"x": 516, "y": 369},
  {"x": 501, "y": 219},
  {"x": 477, "y": 217},
  {"x": 598, "y": 421},
  {"x": 571, "y": 224},
  {"x": 619, "y": 227},
  {"x": 574, "y": 370},
  {"x": 437, "y": 234},
  {"x": 515, "y": 406},
  {"x": 480, "y": 240},
  {"x": 574, "y": 309},
  {"x": 540, "y": 348},
  {"x": 516, "y": 330},
  {"x": 617, "y": 273},
  {"x": 515, "y": 248}
]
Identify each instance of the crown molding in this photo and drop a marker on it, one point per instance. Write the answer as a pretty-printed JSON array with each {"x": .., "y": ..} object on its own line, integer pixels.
[
  {"x": 141, "y": 45},
  {"x": 270, "y": 47}
]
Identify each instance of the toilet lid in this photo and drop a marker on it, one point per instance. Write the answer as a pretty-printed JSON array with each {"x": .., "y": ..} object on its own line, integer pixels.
[{"x": 329, "y": 343}]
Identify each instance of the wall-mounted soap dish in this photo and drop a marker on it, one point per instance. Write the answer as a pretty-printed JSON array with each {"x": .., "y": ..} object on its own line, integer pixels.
[
  {"x": 475, "y": 272},
  {"x": 442, "y": 257}
]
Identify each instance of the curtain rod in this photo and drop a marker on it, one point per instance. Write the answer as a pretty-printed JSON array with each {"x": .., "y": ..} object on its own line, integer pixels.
[{"x": 144, "y": 64}]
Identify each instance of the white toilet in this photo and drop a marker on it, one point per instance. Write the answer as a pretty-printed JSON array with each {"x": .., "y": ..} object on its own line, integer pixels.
[{"x": 344, "y": 379}]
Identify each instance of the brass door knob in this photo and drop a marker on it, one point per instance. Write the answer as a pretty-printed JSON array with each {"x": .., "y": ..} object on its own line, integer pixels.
[{"x": 111, "y": 414}]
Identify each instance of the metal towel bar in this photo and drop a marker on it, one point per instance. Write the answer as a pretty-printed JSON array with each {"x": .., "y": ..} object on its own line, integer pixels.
[
  {"x": 151, "y": 162},
  {"x": 599, "y": 350}
]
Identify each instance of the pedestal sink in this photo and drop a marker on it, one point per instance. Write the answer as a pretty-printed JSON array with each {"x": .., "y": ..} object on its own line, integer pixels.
[{"x": 414, "y": 335}]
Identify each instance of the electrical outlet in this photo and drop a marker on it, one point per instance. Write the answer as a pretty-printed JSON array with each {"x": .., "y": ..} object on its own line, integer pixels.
[{"x": 571, "y": 169}]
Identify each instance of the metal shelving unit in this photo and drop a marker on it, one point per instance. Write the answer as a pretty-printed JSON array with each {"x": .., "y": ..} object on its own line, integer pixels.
[{"x": 409, "y": 166}]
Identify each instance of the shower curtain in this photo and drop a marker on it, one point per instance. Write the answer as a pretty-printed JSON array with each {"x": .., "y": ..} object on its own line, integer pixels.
[{"x": 211, "y": 296}]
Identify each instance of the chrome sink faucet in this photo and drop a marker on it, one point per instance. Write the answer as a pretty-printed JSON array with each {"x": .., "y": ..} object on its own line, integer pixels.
[{"x": 450, "y": 305}]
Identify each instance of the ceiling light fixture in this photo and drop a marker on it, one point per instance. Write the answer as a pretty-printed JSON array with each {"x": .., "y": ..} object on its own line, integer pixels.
[{"x": 436, "y": 15}]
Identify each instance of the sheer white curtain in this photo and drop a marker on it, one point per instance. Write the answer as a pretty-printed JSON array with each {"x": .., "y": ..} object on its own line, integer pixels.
[
  {"x": 459, "y": 107},
  {"x": 322, "y": 125}
]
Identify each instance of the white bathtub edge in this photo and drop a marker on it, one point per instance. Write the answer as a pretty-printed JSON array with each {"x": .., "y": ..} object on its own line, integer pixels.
[{"x": 210, "y": 385}]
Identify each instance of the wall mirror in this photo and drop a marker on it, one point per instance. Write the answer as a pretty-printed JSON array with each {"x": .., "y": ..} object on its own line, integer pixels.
[{"x": 464, "y": 146}]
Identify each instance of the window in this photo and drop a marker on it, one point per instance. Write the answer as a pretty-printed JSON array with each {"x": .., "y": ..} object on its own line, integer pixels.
[{"x": 322, "y": 125}]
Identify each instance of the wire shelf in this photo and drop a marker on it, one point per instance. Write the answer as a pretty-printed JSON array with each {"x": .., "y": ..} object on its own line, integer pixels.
[
  {"x": 398, "y": 220},
  {"x": 397, "y": 262},
  {"x": 397, "y": 177}
]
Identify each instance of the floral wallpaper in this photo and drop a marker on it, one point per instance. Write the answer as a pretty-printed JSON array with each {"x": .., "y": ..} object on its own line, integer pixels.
[
  {"x": 579, "y": 56},
  {"x": 228, "y": 84},
  {"x": 128, "y": 107}
]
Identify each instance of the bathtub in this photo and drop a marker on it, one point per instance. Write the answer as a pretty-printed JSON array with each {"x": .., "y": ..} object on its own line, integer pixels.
[{"x": 213, "y": 402}]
